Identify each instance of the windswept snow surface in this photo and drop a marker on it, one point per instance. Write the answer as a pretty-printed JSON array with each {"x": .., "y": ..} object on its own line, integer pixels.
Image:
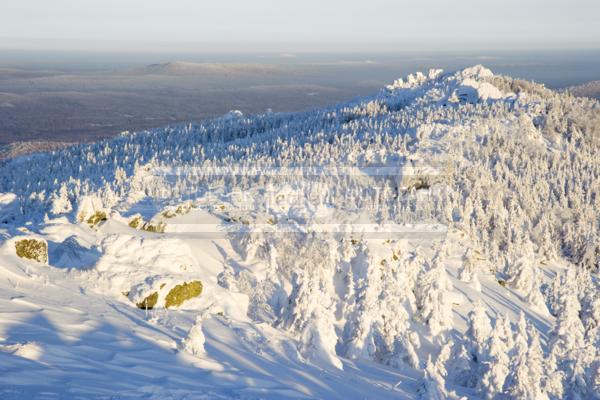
[{"x": 438, "y": 239}]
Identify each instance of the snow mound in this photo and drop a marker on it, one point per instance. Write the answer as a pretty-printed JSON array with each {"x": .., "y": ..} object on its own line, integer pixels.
[
  {"x": 476, "y": 72},
  {"x": 144, "y": 265},
  {"x": 9, "y": 208},
  {"x": 29, "y": 350},
  {"x": 473, "y": 91}
]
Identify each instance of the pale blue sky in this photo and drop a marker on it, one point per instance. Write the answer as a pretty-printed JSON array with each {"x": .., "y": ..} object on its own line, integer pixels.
[{"x": 298, "y": 25}]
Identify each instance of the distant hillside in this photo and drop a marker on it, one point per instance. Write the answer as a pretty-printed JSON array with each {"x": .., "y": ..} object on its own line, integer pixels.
[
  {"x": 589, "y": 89},
  {"x": 184, "y": 68},
  {"x": 21, "y": 148}
]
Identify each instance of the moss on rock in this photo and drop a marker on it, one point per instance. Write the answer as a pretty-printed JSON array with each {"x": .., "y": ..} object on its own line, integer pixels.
[
  {"x": 32, "y": 249},
  {"x": 183, "y": 292},
  {"x": 149, "y": 302}
]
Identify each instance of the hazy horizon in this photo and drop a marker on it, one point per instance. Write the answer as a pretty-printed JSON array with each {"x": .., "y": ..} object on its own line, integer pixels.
[
  {"x": 311, "y": 26},
  {"x": 555, "y": 68}
]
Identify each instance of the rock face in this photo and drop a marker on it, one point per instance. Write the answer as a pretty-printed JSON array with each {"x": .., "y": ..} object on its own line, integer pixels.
[
  {"x": 32, "y": 249},
  {"x": 183, "y": 292}
]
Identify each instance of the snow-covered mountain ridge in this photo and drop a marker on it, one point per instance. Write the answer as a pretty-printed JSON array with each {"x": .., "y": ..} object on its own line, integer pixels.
[{"x": 437, "y": 239}]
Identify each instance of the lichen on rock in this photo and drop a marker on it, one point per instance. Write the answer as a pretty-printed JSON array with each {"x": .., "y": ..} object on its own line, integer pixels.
[
  {"x": 96, "y": 218},
  {"x": 183, "y": 292},
  {"x": 154, "y": 228},
  {"x": 135, "y": 222},
  {"x": 91, "y": 211},
  {"x": 149, "y": 302},
  {"x": 181, "y": 209},
  {"x": 32, "y": 249}
]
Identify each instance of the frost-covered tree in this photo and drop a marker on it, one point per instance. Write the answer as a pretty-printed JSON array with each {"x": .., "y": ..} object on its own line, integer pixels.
[
  {"x": 495, "y": 364},
  {"x": 194, "y": 342},
  {"x": 534, "y": 295},
  {"x": 468, "y": 266},
  {"x": 432, "y": 384},
  {"x": 524, "y": 379},
  {"x": 397, "y": 304},
  {"x": 568, "y": 353},
  {"x": 594, "y": 381},
  {"x": 522, "y": 272},
  {"x": 362, "y": 326},
  {"x": 459, "y": 366},
  {"x": 591, "y": 321},
  {"x": 433, "y": 304},
  {"x": 61, "y": 203},
  {"x": 505, "y": 331},
  {"x": 404, "y": 351},
  {"x": 537, "y": 371},
  {"x": 310, "y": 311},
  {"x": 478, "y": 332}
]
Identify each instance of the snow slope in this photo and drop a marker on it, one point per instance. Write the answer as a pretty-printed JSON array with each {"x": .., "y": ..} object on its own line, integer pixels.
[{"x": 436, "y": 240}]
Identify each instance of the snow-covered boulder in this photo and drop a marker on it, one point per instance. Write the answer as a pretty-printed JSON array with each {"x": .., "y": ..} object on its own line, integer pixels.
[
  {"x": 91, "y": 211},
  {"x": 152, "y": 272},
  {"x": 472, "y": 91},
  {"x": 477, "y": 72},
  {"x": 160, "y": 291}
]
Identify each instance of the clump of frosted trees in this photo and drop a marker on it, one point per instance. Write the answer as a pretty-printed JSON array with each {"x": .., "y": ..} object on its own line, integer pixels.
[
  {"x": 523, "y": 168},
  {"x": 520, "y": 177}
]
